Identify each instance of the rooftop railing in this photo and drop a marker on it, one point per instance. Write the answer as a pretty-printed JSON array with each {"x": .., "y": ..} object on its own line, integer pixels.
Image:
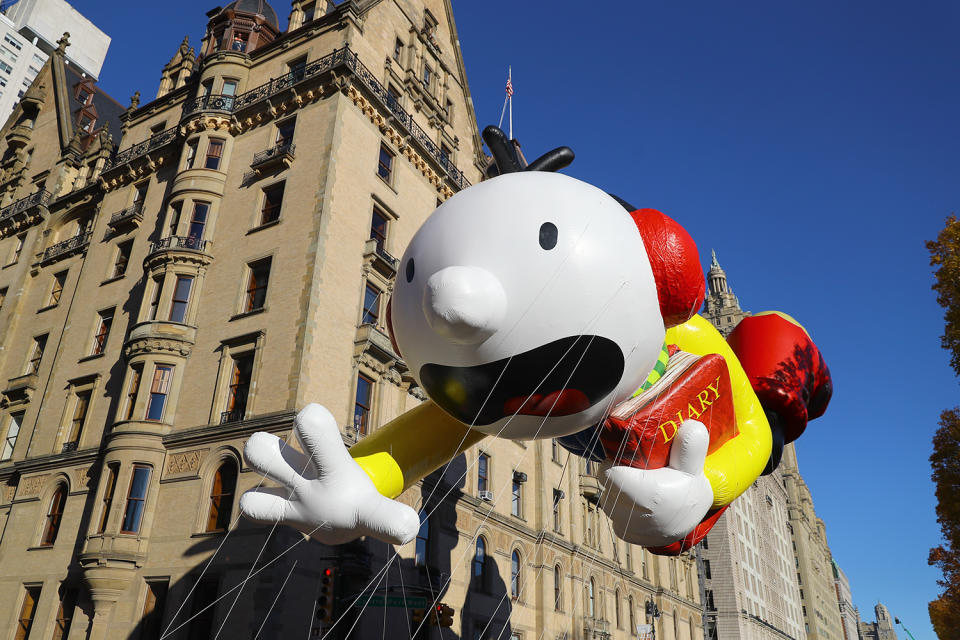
[
  {"x": 153, "y": 142},
  {"x": 41, "y": 197}
]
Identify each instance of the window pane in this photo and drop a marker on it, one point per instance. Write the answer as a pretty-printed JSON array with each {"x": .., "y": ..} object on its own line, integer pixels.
[
  {"x": 378, "y": 228},
  {"x": 153, "y": 610},
  {"x": 361, "y": 408},
  {"x": 221, "y": 497},
  {"x": 385, "y": 165},
  {"x": 257, "y": 286},
  {"x": 54, "y": 515},
  {"x": 482, "y": 472},
  {"x": 108, "y": 498},
  {"x": 214, "y": 153},
  {"x": 158, "y": 392},
  {"x": 10, "y": 440},
  {"x": 198, "y": 220},
  {"x": 371, "y": 305},
  {"x": 133, "y": 514},
  {"x": 181, "y": 296},
  {"x": 272, "y": 201}
]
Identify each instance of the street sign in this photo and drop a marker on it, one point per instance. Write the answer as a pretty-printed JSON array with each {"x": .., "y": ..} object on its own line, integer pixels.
[
  {"x": 402, "y": 602},
  {"x": 644, "y": 632}
]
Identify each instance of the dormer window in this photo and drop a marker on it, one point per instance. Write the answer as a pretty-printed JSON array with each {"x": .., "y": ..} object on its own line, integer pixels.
[
  {"x": 239, "y": 43},
  {"x": 309, "y": 11},
  {"x": 83, "y": 96}
]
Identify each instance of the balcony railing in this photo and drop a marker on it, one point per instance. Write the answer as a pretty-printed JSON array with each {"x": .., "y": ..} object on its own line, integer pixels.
[
  {"x": 280, "y": 153},
  {"x": 41, "y": 197},
  {"x": 130, "y": 214},
  {"x": 340, "y": 58},
  {"x": 71, "y": 245},
  {"x": 178, "y": 242},
  {"x": 211, "y": 102},
  {"x": 232, "y": 416},
  {"x": 153, "y": 142}
]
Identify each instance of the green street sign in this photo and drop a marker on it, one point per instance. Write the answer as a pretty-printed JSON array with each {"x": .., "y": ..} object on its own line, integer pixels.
[{"x": 402, "y": 602}]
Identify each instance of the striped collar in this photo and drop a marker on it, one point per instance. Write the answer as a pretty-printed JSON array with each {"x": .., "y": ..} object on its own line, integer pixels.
[{"x": 657, "y": 372}]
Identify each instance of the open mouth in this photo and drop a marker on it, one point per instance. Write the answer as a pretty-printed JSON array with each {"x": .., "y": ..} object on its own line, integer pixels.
[{"x": 561, "y": 378}]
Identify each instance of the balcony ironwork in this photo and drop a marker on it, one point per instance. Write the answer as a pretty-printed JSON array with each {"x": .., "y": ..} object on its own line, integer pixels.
[
  {"x": 280, "y": 154},
  {"x": 132, "y": 214},
  {"x": 190, "y": 243},
  {"x": 40, "y": 198},
  {"x": 232, "y": 416},
  {"x": 380, "y": 258},
  {"x": 211, "y": 102},
  {"x": 76, "y": 244},
  {"x": 70, "y": 446},
  {"x": 150, "y": 144},
  {"x": 340, "y": 58}
]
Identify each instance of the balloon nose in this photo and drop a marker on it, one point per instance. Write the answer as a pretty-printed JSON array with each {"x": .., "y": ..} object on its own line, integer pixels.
[{"x": 464, "y": 304}]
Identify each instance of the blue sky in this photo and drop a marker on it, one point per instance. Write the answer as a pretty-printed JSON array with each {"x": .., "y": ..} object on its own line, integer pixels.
[{"x": 812, "y": 144}]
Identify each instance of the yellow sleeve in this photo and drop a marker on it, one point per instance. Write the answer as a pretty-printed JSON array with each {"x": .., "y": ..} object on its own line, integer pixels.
[
  {"x": 739, "y": 461},
  {"x": 406, "y": 449}
]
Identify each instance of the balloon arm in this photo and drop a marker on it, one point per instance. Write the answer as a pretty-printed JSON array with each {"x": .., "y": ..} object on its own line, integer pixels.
[{"x": 410, "y": 447}]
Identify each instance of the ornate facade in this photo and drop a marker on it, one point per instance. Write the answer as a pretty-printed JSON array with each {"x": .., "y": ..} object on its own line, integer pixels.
[{"x": 227, "y": 262}]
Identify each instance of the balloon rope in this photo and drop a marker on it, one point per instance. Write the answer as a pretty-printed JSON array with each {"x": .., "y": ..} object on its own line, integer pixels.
[{"x": 279, "y": 591}]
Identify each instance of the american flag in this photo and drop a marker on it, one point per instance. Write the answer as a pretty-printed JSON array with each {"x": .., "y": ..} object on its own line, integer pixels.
[{"x": 509, "y": 88}]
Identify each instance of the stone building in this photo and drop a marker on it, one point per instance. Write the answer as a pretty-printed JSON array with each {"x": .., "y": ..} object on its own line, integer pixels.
[
  {"x": 747, "y": 568},
  {"x": 882, "y": 628},
  {"x": 848, "y": 612},
  {"x": 226, "y": 263}
]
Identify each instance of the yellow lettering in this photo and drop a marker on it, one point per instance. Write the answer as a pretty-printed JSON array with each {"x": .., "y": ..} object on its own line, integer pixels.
[
  {"x": 668, "y": 438},
  {"x": 715, "y": 387},
  {"x": 704, "y": 403},
  {"x": 679, "y": 418},
  {"x": 691, "y": 412}
]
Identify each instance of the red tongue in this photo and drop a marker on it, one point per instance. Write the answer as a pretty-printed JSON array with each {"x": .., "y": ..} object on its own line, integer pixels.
[{"x": 558, "y": 403}]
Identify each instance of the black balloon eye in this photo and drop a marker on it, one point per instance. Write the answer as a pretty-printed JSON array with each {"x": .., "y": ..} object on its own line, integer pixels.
[
  {"x": 410, "y": 270},
  {"x": 548, "y": 235}
]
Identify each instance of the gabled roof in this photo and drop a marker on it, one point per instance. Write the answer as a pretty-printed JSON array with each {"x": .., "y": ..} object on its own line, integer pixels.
[{"x": 102, "y": 105}]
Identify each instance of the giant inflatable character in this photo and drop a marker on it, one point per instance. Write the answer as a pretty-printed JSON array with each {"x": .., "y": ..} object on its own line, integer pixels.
[{"x": 533, "y": 305}]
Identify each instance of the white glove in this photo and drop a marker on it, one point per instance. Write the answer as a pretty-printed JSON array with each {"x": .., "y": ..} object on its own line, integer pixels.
[
  {"x": 326, "y": 495},
  {"x": 656, "y": 507}
]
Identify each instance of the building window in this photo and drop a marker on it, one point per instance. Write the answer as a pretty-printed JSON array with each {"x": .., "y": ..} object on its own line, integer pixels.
[
  {"x": 557, "y": 588},
  {"x": 708, "y": 596},
  {"x": 13, "y": 42},
  {"x": 393, "y": 97},
  {"x": 297, "y": 68},
  {"x": 68, "y": 600},
  {"x": 162, "y": 376},
  {"x": 423, "y": 541},
  {"x": 229, "y": 88},
  {"x": 706, "y": 569},
  {"x": 257, "y": 285},
  {"x": 198, "y": 222},
  {"x": 427, "y": 75},
  {"x": 104, "y": 322},
  {"x": 480, "y": 563},
  {"x": 191, "y": 153},
  {"x": 378, "y": 228},
  {"x": 79, "y": 419},
  {"x": 361, "y": 406},
  {"x": 555, "y": 450},
  {"x": 515, "y": 496},
  {"x": 385, "y": 164},
  {"x": 483, "y": 472},
  {"x": 371, "y": 305},
  {"x": 214, "y": 154},
  {"x": 630, "y": 614},
  {"x": 54, "y": 516},
  {"x": 448, "y": 109},
  {"x": 10, "y": 439},
  {"x": 56, "y": 290},
  {"x": 285, "y": 131},
  {"x": 3, "y": 296},
  {"x": 18, "y": 248},
  {"x": 591, "y": 599},
  {"x": 136, "y": 497},
  {"x": 221, "y": 497},
  {"x": 132, "y": 390},
  {"x": 616, "y": 609},
  {"x": 123, "y": 258},
  {"x": 176, "y": 209},
  {"x": 445, "y": 153},
  {"x": 152, "y": 621},
  {"x": 239, "y": 386},
  {"x": 557, "y": 496},
  {"x": 397, "y": 49},
  {"x": 239, "y": 43},
  {"x": 515, "y": 575},
  {"x": 202, "y": 609},
  {"x": 309, "y": 12},
  {"x": 27, "y": 612},
  {"x": 39, "y": 344},
  {"x": 108, "y": 492},
  {"x": 155, "y": 299},
  {"x": 272, "y": 200},
  {"x": 181, "y": 297}
]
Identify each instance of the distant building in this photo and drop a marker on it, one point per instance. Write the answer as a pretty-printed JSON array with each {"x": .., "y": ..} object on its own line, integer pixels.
[
  {"x": 849, "y": 615},
  {"x": 45, "y": 21},
  {"x": 882, "y": 629}
]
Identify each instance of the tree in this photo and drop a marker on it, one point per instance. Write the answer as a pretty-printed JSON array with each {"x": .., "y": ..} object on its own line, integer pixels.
[{"x": 945, "y": 459}]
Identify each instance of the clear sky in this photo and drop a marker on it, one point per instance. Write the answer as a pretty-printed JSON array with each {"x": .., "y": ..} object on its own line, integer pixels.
[{"x": 812, "y": 144}]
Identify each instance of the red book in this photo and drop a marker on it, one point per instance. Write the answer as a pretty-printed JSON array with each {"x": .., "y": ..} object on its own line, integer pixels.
[{"x": 640, "y": 430}]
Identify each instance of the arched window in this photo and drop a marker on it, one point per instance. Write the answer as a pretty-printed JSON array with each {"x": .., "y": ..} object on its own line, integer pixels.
[
  {"x": 221, "y": 497},
  {"x": 423, "y": 539},
  {"x": 480, "y": 564},
  {"x": 557, "y": 588},
  {"x": 630, "y": 608},
  {"x": 591, "y": 600},
  {"x": 616, "y": 608},
  {"x": 54, "y": 516},
  {"x": 515, "y": 575}
]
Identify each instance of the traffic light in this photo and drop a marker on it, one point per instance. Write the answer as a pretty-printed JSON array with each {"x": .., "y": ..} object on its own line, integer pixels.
[
  {"x": 418, "y": 615},
  {"x": 446, "y": 615},
  {"x": 325, "y": 600}
]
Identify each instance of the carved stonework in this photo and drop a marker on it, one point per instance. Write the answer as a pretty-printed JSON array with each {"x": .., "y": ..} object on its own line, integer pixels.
[
  {"x": 81, "y": 478},
  {"x": 8, "y": 492},
  {"x": 33, "y": 486},
  {"x": 185, "y": 462},
  {"x": 157, "y": 345}
]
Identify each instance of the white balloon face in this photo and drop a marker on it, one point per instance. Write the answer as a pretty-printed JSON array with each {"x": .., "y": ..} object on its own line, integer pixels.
[{"x": 525, "y": 306}]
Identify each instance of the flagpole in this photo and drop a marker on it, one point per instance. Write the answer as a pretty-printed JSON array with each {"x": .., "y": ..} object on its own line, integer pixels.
[{"x": 510, "y": 98}]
